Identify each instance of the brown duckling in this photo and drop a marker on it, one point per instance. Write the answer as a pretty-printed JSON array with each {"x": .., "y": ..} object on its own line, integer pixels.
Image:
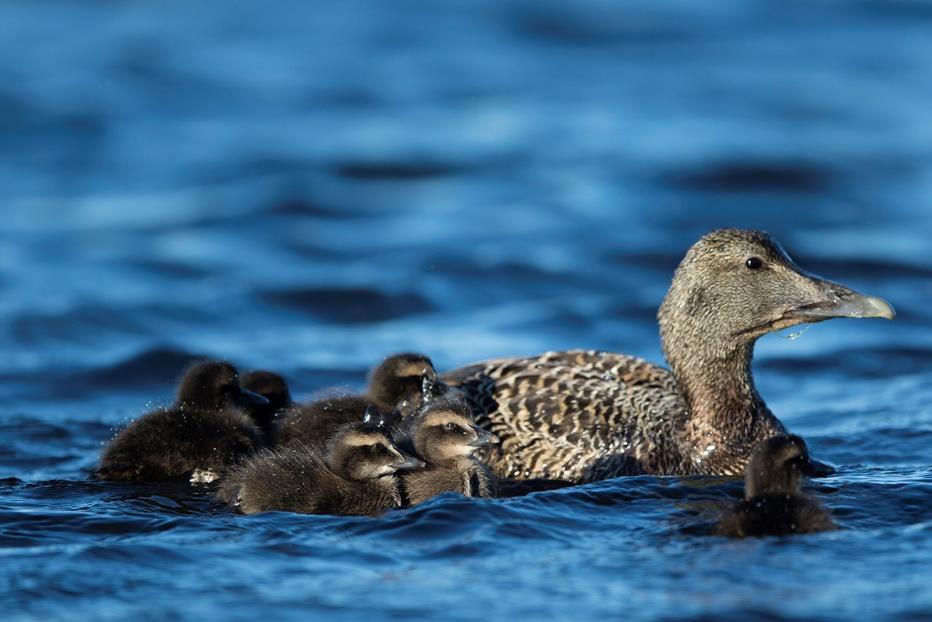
[
  {"x": 273, "y": 388},
  {"x": 353, "y": 475},
  {"x": 447, "y": 438},
  {"x": 204, "y": 432},
  {"x": 398, "y": 385},
  {"x": 774, "y": 503}
]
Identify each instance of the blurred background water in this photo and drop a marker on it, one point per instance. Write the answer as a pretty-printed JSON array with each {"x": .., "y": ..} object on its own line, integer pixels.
[{"x": 308, "y": 187}]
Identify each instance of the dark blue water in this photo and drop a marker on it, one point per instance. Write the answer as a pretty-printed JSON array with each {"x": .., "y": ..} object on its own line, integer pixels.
[{"x": 310, "y": 187}]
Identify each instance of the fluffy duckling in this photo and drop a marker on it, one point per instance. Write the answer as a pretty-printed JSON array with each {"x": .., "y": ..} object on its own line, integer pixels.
[
  {"x": 774, "y": 503},
  {"x": 272, "y": 387},
  {"x": 447, "y": 438},
  {"x": 355, "y": 475},
  {"x": 403, "y": 381},
  {"x": 203, "y": 433},
  {"x": 399, "y": 385}
]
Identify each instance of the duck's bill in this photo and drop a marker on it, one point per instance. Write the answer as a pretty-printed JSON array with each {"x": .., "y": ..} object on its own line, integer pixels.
[
  {"x": 834, "y": 300},
  {"x": 814, "y": 468},
  {"x": 251, "y": 398},
  {"x": 483, "y": 438}
]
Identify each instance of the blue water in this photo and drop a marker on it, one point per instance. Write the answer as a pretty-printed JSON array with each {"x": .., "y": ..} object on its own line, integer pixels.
[{"x": 309, "y": 187}]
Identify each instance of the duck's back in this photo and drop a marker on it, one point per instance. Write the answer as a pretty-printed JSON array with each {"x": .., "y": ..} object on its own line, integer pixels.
[
  {"x": 168, "y": 445},
  {"x": 296, "y": 479},
  {"x": 579, "y": 415},
  {"x": 775, "y": 515}
]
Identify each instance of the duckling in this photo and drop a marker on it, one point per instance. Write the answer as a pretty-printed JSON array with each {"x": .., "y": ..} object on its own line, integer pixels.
[
  {"x": 204, "y": 432},
  {"x": 590, "y": 415},
  {"x": 354, "y": 475},
  {"x": 774, "y": 503},
  {"x": 403, "y": 381},
  {"x": 398, "y": 385},
  {"x": 446, "y": 437},
  {"x": 272, "y": 387}
]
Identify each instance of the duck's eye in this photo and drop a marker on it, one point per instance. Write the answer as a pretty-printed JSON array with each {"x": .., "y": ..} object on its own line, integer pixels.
[
  {"x": 754, "y": 263},
  {"x": 379, "y": 449},
  {"x": 451, "y": 426}
]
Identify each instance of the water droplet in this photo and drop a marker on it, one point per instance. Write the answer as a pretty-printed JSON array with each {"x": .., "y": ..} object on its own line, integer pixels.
[{"x": 796, "y": 335}]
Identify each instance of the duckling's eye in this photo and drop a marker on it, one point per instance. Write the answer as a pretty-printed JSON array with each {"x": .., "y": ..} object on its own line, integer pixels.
[
  {"x": 451, "y": 426},
  {"x": 754, "y": 263},
  {"x": 379, "y": 449}
]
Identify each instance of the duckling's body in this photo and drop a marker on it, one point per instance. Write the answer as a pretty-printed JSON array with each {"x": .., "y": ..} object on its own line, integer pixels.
[
  {"x": 355, "y": 475},
  {"x": 589, "y": 415},
  {"x": 445, "y": 436},
  {"x": 274, "y": 388},
  {"x": 468, "y": 477},
  {"x": 775, "y": 515},
  {"x": 205, "y": 432},
  {"x": 399, "y": 384},
  {"x": 314, "y": 423},
  {"x": 774, "y": 503}
]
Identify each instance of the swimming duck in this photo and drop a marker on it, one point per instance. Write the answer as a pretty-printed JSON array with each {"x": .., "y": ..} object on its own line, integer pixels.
[
  {"x": 205, "y": 431},
  {"x": 445, "y": 436},
  {"x": 273, "y": 388},
  {"x": 398, "y": 385},
  {"x": 589, "y": 415},
  {"x": 353, "y": 475},
  {"x": 773, "y": 500}
]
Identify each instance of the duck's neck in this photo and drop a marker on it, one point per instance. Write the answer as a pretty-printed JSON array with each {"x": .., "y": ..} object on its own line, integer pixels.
[
  {"x": 718, "y": 384},
  {"x": 727, "y": 416}
]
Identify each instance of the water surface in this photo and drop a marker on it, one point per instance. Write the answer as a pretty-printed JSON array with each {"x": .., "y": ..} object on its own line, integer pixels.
[{"x": 309, "y": 188}]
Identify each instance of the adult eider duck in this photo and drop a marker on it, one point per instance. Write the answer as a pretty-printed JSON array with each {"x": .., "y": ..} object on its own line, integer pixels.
[
  {"x": 774, "y": 504},
  {"x": 204, "y": 432},
  {"x": 445, "y": 436},
  {"x": 400, "y": 384},
  {"x": 353, "y": 475},
  {"x": 588, "y": 415},
  {"x": 273, "y": 388}
]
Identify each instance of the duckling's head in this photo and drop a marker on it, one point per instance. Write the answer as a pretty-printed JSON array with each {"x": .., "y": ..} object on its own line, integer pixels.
[
  {"x": 735, "y": 285},
  {"x": 364, "y": 451},
  {"x": 214, "y": 385},
  {"x": 272, "y": 387},
  {"x": 444, "y": 430},
  {"x": 404, "y": 381},
  {"x": 777, "y": 466}
]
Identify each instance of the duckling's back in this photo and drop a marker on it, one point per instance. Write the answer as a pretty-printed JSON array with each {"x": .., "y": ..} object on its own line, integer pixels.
[
  {"x": 296, "y": 479},
  {"x": 775, "y": 515},
  {"x": 168, "y": 445},
  {"x": 312, "y": 424}
]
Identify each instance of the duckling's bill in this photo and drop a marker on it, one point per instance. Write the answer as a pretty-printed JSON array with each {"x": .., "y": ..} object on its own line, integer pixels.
[{"x": 484, "y": 437}]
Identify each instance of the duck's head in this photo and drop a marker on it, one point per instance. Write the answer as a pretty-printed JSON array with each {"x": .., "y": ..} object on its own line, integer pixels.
[
  {"x": 365, "y": 451},
  {"x": 404, "y": 381},
  {"x": 777, "y": 466},
  {"x": 214, "y": 385},
  {"x": 444, "y": 430},
  {"x": 735, "y": 285},
  {"x": 272, "y": 387}
]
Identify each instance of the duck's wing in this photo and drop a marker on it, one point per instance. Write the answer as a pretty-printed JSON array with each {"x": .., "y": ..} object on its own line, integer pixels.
[{"x": 579, "y": 415}]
